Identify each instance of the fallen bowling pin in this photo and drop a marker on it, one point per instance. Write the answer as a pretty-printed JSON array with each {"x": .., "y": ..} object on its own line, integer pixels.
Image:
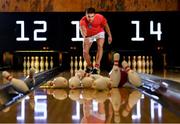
[
  {"x": 115, "y": 74},
  {"x": 60, "y": 82},
  {"x": 30, "y": 80},
  {"x": 100, "y": 84},
  {"x": 74, "y": 82},
  {"x": 87, "y": 82},
  {"x": 133, "y": 77},
  {"x": 18, "y": 84},
  {"x": 80, "y": 74}
]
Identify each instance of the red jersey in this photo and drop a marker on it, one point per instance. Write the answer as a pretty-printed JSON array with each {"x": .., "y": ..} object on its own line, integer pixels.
[{"x": 96, "y": 26}]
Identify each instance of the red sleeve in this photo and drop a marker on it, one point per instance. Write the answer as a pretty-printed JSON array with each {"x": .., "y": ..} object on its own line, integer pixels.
[
  {"x": 82, "y": 21},
  {"x": 104, "y": 21}
]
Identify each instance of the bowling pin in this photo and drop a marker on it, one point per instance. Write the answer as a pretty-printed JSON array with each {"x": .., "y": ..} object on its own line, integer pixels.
[
  {"x": 30, "y": 80},
  {"x": 76, "y": 64},
  {"x": 46, "y": 63},
  {"x": 37, "y": 63},
  {"x": 132, "y": 100},
  {"x": 143, "y": 64},
  {"x": 139, "y": 64},
  {"x": 28, "y": 64},
  {"x": 87, "y": 82},
  {"x": 100, "y": 84},
  {"x": 80, "y": 62},
  {"x": 147, "y": 64},
  {"x": 60, "y": 82},
  {"x": 18, "y": 84},
  {"x": 24, "y": 65},
  {"x": 129, "y": 61},
  {"x": 133, "y": 77},
  {"x": 51, "y": 62},
  {"x": 151, "y": 65},
  {"x": 134, "y": 63},
  {"x": 74, "y": 82},
  {"x": 80, "y": 74},
  {"x": 115, "y": 74},
  {"x": 32, "y": 61},
  {"x": 41, "y": 63}
]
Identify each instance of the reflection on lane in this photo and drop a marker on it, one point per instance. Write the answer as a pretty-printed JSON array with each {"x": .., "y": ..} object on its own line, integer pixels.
[{"x": 89, "y": 106}]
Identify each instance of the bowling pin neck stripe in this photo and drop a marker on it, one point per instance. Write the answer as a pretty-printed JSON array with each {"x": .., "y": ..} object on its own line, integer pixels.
[
  {"x": 9, "y": 78},
  {"x": 127, "y": 68},
  {"x": 116, "y": 62}
]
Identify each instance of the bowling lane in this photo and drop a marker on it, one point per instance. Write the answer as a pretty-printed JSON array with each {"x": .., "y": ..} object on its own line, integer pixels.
[{"x": 125, "y": 105}]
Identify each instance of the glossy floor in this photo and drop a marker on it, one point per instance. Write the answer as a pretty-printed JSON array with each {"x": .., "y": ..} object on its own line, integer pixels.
[{"x": 125, "y": 105}]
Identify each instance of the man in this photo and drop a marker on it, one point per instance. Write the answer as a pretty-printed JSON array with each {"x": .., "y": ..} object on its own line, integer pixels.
[{"x": 92, "y": 27}]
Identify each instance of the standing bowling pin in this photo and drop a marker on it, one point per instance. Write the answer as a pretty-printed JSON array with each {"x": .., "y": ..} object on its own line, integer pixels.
[
  {"x": 18, "y": 84},
  {"x": 114, "y": 74},
  {"x": 133, "y": 77},
  {"x": 30, "y": 80}
]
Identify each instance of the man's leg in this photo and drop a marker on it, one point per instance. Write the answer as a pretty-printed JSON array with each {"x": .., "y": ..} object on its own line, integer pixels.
[
  {"x": 99, "y": 54},
  {"x": 86, "y": 47}
]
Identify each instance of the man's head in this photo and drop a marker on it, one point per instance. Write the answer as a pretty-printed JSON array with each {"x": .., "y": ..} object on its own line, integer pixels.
[{"x": 90, "y": 13}]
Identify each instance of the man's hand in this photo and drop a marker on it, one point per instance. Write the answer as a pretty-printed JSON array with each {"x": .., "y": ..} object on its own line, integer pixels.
[{"x": 109, "y": 40}]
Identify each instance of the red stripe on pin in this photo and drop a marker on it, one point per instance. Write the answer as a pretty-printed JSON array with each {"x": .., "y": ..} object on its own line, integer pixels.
[{"x": 9, "y": 78}]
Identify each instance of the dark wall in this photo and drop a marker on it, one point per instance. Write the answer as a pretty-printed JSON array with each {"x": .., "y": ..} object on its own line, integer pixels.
[{"x": 60, "y": 31}]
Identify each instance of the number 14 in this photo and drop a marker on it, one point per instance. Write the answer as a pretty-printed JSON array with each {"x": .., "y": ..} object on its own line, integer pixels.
[{"x": 152, "y": 31}]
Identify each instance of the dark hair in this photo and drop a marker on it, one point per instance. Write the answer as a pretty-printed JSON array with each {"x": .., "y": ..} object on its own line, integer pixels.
[{"x": 90, "y": 10}]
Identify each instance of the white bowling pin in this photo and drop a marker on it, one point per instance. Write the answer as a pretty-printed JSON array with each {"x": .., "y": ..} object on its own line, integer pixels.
[
  {"x": 115, "y": 74},
  {"x": 74, "y": 82},
  {"x": 80, "y": 73},
  {"x": 18, "y": 84},
  {"x": 100, "y": 84},
  {"x": 60, "y": 82},
  {"x": 133, "y": 77},
  {"x": 87, "y": 82},
  {"x": 30, "y": 80}
]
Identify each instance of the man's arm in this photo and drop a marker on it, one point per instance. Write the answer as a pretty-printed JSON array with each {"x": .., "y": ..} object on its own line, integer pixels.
[
  {"x": 83, "y": 31},
  {"x": 107, "y": 29}
]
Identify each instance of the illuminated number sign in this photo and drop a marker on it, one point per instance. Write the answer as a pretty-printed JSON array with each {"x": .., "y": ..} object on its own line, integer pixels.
[
  {"x": 152, "y": 31},
  {"x": 23, "y": 37}
]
